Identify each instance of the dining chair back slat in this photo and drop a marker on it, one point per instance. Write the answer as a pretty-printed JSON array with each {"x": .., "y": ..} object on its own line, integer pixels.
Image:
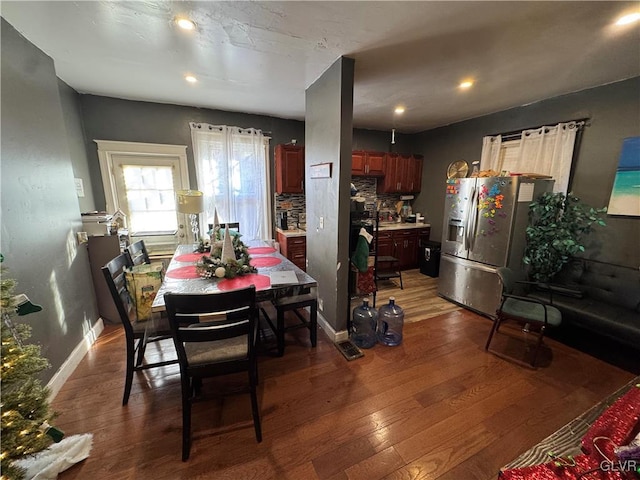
[{"x": 137, "y": 253}]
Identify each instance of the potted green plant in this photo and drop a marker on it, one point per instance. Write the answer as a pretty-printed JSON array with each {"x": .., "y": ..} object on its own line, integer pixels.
[{"x": 558, "y": 224}]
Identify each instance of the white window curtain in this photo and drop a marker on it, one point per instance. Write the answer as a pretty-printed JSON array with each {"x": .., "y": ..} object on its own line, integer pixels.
[
  {"x": 490, "y": 158},
  {"x": 547, "y": 150},
  {"x": 233, "y": 173}
]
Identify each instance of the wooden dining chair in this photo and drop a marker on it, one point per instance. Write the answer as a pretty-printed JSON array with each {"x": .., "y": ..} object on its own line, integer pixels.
[
  {"x": 137, "y": 253},
  {"x": 214, "y": 334},
  {"x": 295, "y": 304},
  {"x": 137, "y": 334}
]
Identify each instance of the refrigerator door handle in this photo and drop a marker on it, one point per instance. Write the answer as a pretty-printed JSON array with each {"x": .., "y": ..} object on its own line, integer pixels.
[
  {"x": 473, "y": 220},
  {"x": 467, "y": 220}
]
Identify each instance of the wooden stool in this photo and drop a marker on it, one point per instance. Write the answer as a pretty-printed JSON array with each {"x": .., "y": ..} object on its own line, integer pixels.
[{"x": 294, "y": 303}]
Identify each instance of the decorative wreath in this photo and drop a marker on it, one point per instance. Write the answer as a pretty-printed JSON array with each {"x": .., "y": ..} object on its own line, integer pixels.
[{"x": 213, "y": 267}]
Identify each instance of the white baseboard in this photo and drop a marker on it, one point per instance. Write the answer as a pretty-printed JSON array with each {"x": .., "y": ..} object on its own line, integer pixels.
[
  {"x": 70, "y": 364},
  {"x": 335, "y": 337}
]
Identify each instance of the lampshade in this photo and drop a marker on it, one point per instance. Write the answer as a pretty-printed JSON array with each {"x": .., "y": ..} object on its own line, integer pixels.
[{"x": 190, "y": 201}]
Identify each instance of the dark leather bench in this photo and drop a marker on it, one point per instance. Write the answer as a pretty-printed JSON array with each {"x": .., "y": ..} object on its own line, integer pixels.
[{"x": 600, "y": 297}]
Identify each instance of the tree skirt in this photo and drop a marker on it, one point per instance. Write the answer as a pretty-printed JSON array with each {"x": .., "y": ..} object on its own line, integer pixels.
[{"x": 48, "y": 463}]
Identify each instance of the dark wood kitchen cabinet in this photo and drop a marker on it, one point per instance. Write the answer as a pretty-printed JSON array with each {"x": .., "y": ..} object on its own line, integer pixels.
[
  {"x": 289, "y": 168},
  {"x": 412, "y": 182},
  {"x": 406, "y": 248},
  {"x": 366, "y": 163},
  {"x": 402, "y": 244},
  {"x": 295, "y": 249},
  {"x": 402, "y": 174},
  {"x": 384, "y": 244}
]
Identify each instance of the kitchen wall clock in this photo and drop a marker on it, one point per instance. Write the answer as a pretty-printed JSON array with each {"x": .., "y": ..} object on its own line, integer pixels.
[{"x": 457, "y": 169}]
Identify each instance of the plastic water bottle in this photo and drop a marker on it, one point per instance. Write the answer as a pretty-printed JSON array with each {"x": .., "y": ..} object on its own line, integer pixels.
[
  {"x": 363, "y": 325},
  {"x": 390, "y": 322}
]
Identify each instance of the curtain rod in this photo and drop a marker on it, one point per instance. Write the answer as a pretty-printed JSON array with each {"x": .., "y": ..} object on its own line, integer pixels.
[{"x": 580, "y": 123}]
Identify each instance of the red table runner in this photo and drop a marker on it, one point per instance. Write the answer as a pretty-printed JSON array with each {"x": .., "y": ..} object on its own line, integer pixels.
[
  {"x": 264, "y": 261},
  {"x": 183, "y": 272},
  {"x": 189, "y": 257},
  {"x": 260, "y": 281}
]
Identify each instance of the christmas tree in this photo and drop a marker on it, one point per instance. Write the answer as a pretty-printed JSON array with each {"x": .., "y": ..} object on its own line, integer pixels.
[{"x": 25, "y": 407}]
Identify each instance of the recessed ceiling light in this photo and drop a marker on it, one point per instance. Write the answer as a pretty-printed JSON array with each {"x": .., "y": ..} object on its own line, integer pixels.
[
  {"x": 466, "y": 84},
  {"x": 627, "y": 19},
  {"x": 399, "y": 110},
  {"x": 190, "y": 78},
  {"x": 185, "y": 23}
]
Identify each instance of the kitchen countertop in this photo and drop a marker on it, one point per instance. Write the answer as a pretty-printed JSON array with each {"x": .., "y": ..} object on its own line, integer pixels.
[
  {"x": 402, "y": 226},
  {"x": 292, "y": 233},
  {"x": 383, "y": 227}
]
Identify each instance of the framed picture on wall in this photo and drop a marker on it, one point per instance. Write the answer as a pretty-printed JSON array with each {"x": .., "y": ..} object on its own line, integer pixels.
[{"x": 625, "y": 194}]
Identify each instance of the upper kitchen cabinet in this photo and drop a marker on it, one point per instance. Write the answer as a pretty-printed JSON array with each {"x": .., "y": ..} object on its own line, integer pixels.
[
  {"x": 365, "y": 163},
  {"x": 289, "y": 169},
  {"x": 402, "y": 174},
  {"x": 413, "y": 175}
]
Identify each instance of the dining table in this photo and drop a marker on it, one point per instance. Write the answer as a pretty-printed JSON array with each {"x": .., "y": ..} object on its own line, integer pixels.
[{"x": 181, "y": 275}]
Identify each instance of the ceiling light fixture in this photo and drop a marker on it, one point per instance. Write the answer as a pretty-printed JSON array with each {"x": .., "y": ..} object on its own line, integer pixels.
[
  {"x": 399, "y": 110},
  {"x": 627, "y": 19},
  {"x": 185, "y": 23},
  {"x": 466, "y": 84},
  {"x": 190, "y": 78}
]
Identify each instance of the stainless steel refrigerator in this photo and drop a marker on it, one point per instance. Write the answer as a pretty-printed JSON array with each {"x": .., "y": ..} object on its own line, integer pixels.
[{"x": 484, "y": 228}]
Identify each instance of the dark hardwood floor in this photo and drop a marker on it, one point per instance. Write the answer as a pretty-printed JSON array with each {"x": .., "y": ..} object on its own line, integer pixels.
[{"x": 436, "y": 407}]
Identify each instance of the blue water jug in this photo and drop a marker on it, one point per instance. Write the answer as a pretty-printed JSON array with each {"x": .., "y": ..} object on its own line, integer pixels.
[
  {"x": 390, "y": 322},
  {"x": 363, "y": 325}
]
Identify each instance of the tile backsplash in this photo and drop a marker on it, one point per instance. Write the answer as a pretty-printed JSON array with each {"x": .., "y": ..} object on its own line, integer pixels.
[{"x": 294, "y": 204}]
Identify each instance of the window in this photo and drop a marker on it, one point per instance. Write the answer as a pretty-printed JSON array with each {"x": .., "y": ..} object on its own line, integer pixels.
[
  {"x": 233, "y": 173},
  {"x": 140, "y": 180},
  {"x": 545, "y": 151}
]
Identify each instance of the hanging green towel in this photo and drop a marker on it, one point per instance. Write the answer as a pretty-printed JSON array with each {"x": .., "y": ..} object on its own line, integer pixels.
[{"x": 361, "y": 253}]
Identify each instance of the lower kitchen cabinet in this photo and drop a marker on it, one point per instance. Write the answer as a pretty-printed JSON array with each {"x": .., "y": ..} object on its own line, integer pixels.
[
  {"x": 295, "y": 249},
  {"x": 403, "y": 244},
  {"x": 407, "y": 248}
]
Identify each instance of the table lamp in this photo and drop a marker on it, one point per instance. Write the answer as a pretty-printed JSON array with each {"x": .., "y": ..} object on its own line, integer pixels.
[{"x": 191, "y": 202}]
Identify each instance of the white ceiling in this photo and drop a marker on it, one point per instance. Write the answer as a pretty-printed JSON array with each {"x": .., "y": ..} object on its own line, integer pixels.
[{"x": 259, "y": 57}]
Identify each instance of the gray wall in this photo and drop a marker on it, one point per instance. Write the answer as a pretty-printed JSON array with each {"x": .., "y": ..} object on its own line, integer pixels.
[
  {"x": 329, "y": 120},
  {"x": 381, "y": 141},
  {"x": 72, "y": 112},
  {"x": 40, "y": 210},
  {"x": 614, "y": 113},
  {"x": 108, "y": 118}
]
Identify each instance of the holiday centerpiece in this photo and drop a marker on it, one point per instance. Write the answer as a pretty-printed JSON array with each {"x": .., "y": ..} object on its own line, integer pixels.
[{"x": 229, "y": 258}]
